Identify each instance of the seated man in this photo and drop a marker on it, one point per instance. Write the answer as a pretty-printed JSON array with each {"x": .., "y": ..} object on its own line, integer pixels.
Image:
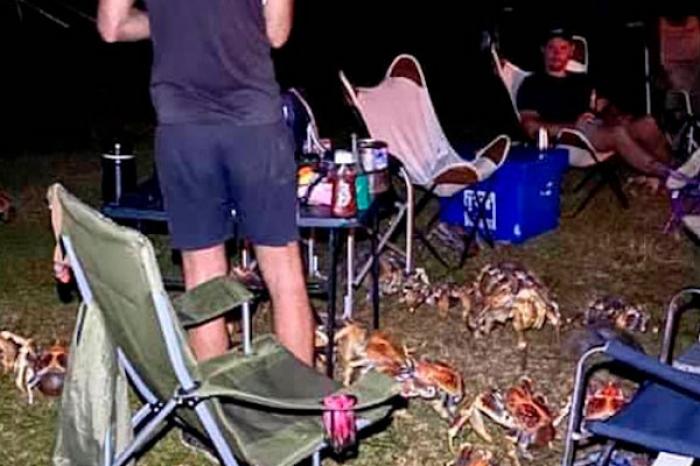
[{"x": 559, "y": 99}]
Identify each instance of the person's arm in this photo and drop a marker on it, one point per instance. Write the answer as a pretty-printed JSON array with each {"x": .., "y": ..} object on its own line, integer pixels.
[
  {"x": 120, "y": 21},
  {"x": 278, "y": 20},
  {"x": 531, "y": 122}
]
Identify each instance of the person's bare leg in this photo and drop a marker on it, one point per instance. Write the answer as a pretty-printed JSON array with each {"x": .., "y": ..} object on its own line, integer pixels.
[
  {"x": 201, "y": 265},
  {"x": 617, "y": 138},
  {"x": 283, "y": 274},
  {"x": 646, "y": 131}
]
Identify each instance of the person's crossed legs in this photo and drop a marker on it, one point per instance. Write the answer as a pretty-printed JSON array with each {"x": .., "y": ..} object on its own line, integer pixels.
[
  {"x": 624, "y": 139},
  {"x": 646, "y": 131}
]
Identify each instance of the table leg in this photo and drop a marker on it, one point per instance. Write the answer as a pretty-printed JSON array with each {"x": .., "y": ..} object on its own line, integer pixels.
[
  {"x": 330, "y": 317},
  {"x": 350, "y": 274},
  {"x": 375, "y": 271}
]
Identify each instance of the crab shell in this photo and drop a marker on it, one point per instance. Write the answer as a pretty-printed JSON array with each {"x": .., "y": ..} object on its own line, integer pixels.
[
  {"x": 508, "y": 291},
  {"x": 605, "y": 401},
  {"x": 385, "y": 355},
  {"x": 531, "y": 413},
  {"x": 360, "y": 349},
  {"x": 470, "y": 457},
  {"x": 428, "y": 379},
  {"x": 441, "y": 375},
  {"x": 615, "y": 310},
  {"x": 51, "y": 370},
  {"x": 8, "y": 354}
]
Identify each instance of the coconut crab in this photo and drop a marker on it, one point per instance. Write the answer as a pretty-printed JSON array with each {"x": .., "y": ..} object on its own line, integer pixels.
[
  {"x": 436, "y": 381},
  {"x": 523, "y": 412},
  {"x": 604, "y": 400},
  {"x": 23, "y": 363},
  {"x": 415, "y": 290},
  {"x": 618, "y": 312},
  {"x": 360, "y": 349},
  {"x": 508, "y": 291},
  {"x": 444, "y": 297},
  {"x": 8, "y": 354},
  {"x": 50, "y": 370}
]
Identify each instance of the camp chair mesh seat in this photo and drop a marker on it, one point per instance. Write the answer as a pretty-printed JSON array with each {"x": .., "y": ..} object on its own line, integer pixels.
[
  {"x": 263, "y": 408},
  {"x": 663, "y": 414}
]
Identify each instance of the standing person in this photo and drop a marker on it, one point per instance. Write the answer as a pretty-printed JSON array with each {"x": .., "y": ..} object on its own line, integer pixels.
[
  {"x": 558, "y": 99},
  {"x": 223, "y": 152}
]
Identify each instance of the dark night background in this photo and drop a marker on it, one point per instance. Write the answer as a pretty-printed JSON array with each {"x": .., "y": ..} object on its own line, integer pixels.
[{"x": 62, "y": 89}]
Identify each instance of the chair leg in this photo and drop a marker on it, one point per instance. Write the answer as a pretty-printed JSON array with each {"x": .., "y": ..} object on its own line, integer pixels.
[
  {"x": 468, "y": 240},
  {"x": 613, "y": 180},
  {"x": 591, "y": 194},
  {"x": 428, "y": 245},
  {"x": 316, "y": 458},
  {"x": 586, "y": 179},
  {"x": 145, "y": 433},
  {"x": 606, "y": 453},
  {"x": 247, "y": 329}
]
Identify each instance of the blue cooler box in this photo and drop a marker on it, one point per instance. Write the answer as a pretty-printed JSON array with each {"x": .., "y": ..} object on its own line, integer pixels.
[{"x": 522, "y": 197}]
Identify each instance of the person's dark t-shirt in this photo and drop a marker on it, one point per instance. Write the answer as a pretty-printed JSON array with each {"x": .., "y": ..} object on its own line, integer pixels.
[
  {"x": 212, "y": 63},
  {"x": 555, "y": 99}
]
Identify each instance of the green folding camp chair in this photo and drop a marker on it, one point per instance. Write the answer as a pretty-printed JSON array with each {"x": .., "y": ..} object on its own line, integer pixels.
[{"x": 264, "y": 408}]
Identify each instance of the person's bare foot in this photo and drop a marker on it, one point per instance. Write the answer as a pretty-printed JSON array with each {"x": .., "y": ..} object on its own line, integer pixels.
[{"x": 689, "y": 169}]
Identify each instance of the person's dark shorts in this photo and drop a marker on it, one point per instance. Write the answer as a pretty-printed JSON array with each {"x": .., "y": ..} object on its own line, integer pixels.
[{"x": 221, "y": 178}]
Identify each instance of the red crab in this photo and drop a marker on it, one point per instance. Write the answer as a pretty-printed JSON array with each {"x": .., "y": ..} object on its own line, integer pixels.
[
  {"x": 50, "y": 370},
  {"x": 524, "y": 413},
  {"x": 437, "y": 381},
  {"x": 468, "y": 456},
  {"x": 604, "y": 401}
]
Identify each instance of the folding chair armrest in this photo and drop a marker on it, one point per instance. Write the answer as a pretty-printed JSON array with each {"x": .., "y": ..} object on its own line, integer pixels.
[
  {"x": 674, "y": 313},
  {"x": 372, "y": 390},
  {"x": 653, "y": 367},
  {"x": 209, "y": 300},
  {"x": 621, "y": 353}
]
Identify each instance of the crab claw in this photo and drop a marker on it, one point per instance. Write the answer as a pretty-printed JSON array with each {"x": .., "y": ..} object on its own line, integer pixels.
[
  {"x": 467, "y": 413},
  {"x": 451, "y": 403}
]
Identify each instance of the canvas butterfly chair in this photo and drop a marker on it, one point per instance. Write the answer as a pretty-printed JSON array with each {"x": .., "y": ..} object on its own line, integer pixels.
[
  {"x": 400, "y": 112},
  {"x": 663, "y": 415},
  {"x": 582, "y": 154},
  {"x": 260, "y": 407}
]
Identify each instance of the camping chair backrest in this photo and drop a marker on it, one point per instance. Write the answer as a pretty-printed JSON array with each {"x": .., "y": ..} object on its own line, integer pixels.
[
  {"x": 121, "y": 271},
  {"x": 511, "y": 75},
  {"x": 400, "y": 112},
  {"x": 579, "y": 61},
  {"x": 300, "y": 119}
]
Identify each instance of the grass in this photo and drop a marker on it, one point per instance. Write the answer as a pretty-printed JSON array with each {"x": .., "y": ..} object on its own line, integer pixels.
[{"x": 604, "y": 250}]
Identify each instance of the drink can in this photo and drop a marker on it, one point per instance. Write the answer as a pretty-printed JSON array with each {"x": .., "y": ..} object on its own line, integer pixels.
[{"x": 374, "y": 157}]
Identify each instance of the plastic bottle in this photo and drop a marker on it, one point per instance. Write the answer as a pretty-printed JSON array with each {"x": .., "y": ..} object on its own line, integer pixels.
[{"x": 344, "y": 202}]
